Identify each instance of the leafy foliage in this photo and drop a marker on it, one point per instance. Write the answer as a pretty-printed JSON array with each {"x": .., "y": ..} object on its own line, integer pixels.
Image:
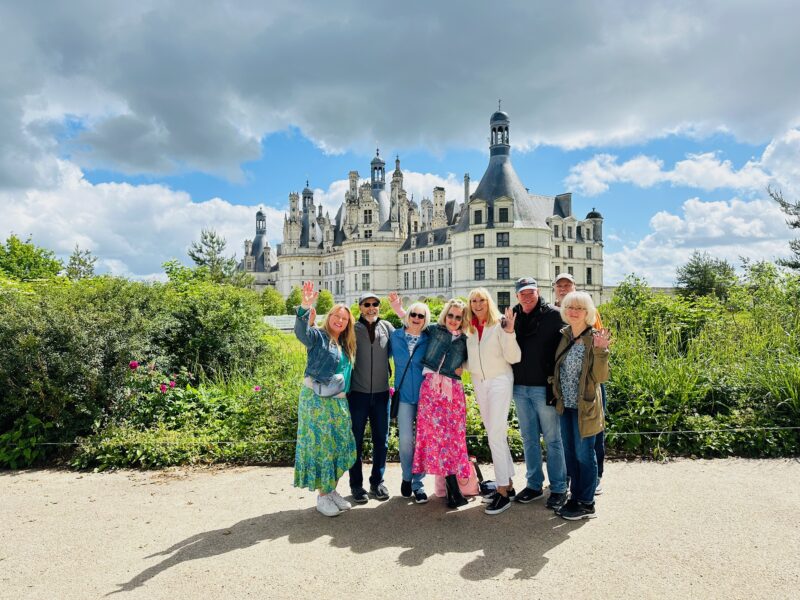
[
  {"x": 293, "y": 300},
  {"x": 324, "y": 302},
  {"x": 81, "y": 264},
  {"x": 25, "y": 261},
  {"x": 792, "y": 210},
  {"x": 211, "y": 263},
  {"x": 272, "y": 303},
  {"x": 704, "y": 275}
]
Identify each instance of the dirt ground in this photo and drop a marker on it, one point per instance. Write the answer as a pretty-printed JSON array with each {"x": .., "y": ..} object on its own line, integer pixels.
[{"x": 683, "y": 529}]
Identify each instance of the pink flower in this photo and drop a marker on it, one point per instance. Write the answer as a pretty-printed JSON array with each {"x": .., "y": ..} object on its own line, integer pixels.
[
  {"x": 172, "y": 384},
  {"x": 163, "y": 387},
  {"x": 391, "y": 392},
  {"x": 133, "y": 365},
  {"x": 257, "y": 388}
]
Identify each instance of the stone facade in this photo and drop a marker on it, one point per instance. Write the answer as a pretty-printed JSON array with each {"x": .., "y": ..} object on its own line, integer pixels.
[{"x": 383, "y": 241}]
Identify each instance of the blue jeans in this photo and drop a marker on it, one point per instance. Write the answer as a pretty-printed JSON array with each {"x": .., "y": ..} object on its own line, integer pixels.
[
  {"x": 406, "y": 415},
  {"x": 580, "y": 457},
  {"x": 536, "y": 418},
  {"x": 375, "y": 408},
  {"x": 600, "y": 438}
]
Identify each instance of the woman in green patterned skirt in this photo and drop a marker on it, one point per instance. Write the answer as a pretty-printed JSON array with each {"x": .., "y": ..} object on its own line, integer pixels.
[{"x": 326, "y": 448}]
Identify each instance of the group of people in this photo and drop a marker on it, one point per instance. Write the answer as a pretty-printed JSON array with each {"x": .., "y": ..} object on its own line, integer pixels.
[{"x": 551, "y": 361}]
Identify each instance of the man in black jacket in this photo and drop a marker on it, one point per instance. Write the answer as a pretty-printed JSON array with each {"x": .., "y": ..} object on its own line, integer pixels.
[{"x": 538, "y": 327}]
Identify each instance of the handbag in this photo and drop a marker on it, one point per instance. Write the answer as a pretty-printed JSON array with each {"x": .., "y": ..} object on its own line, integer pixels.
[
  {"x": 395, "y": 404},
  {"x": 469, "y": 486},
  {"x": 326, "y": 390}
]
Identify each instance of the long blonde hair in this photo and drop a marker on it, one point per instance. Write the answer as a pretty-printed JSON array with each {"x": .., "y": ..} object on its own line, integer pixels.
[
  {"x": 346, "y": 339},
  {"x": 493, "y": 316}
]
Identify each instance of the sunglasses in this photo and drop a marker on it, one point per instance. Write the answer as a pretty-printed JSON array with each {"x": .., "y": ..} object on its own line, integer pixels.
[
  {"x": 454, "y": 317},
  {"x": 371, "y": 304},
  {"x": 414, "y": 315}
]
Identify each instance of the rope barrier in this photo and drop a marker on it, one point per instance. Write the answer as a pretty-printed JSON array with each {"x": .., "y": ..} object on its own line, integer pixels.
[{"x": 469, "y": 437}]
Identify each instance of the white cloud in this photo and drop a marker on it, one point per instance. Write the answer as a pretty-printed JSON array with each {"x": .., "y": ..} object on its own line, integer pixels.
[
  {"x": 157, "y": 88},
  {"x": 729, "y": 230},
  {"x": 132, "y": 229}
]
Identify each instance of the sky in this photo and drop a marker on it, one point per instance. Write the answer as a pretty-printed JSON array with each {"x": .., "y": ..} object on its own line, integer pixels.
[{"x": 128, "y": 127}]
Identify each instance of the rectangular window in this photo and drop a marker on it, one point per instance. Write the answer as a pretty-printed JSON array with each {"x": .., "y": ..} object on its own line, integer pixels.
[
  {"x": 422, "y": 279},
  {"x": 557, "y": 271},
  {"x": 413, "y": 258},
  {"x": 555, "y": 231},
  {"x": 365, "y": 258},
  {"x": 588, "y": 275},
  {"x": 449, "y": 253},
  {"x": 449, "y": 276},
  {"x": 355, "y": 258},
  {"x": 569, "y": 252},
  {"x": 405, "y": 280},
  {"x": 422, "y": 256},
  {"x": 365, "y": 281},
  {"x": 570, "y": 270},
  {"x": 503, "y": 268},
  {"x": 503, "y": 300},
  {"x": 367, "y": 217},
  {"x": 480, "y": 269},
  {"x": 430, "y": 277},
  {"x": 414, "y": 280},
  {"x": 441, "y": 278},
  {"x": 430, "y": 255},
  {"x": 503, "y": 240},
  {"x": 589, "y": 253},
  {"x": 558, "y": 251},
  {"x": 477, "y": 240},
  {"x": 588, "y": 233},
  {"x": 367, "y": 233},
  {"x": 355, "y": 282},
  {"x": 502, "y": 215},
  {"x": 405, "y": 258},
  {"x": 569, "y": 232},
  {"x": 477, "y": 217},
  {"x": 440, "y": 254}
]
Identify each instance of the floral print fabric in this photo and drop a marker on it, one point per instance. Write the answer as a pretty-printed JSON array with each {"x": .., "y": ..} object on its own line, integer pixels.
[
  {"x": 441, "y": 444},
  {"x": 570, "y": 374}
]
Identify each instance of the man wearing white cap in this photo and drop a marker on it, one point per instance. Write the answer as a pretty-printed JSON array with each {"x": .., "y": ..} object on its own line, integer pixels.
[{"x": 369, "y": 396}]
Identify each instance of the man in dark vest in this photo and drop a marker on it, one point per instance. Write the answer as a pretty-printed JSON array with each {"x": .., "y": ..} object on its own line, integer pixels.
[{"x": 369, "y": 396}]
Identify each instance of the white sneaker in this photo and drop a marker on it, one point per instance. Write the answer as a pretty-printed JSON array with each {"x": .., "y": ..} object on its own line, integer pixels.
[
  {"x": 599, "y": 488},
  {"x": 327, "y": 506},
  {"x": 340, "y": 502}
]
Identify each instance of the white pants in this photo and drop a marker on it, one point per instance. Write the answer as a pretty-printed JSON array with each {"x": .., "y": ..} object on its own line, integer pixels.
[{"x": 494, "y": 400}]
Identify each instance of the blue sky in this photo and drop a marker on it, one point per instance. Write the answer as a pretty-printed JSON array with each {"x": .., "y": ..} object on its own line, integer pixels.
[{"x": 127, "y": 129}]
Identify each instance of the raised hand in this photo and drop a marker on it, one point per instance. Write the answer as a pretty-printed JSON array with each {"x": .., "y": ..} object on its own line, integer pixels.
[
  {"x": 602, "y": 338},
  {"x": 309, "y": 295},
  {"x": 509, "y": 319},
  {"x": 397, "y": 304}
]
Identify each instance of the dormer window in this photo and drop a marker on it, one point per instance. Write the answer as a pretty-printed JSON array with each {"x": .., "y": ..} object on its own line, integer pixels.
[
  {"x": 569, "y": 232},
  {"x": 477, "y": 217},
  {"x": 555, "y": 230},
  {"x": 367, "y": 217},
  {"x": 502, "y": 215}
]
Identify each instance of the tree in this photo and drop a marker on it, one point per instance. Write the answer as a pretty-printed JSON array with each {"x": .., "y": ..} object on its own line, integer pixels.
[
  {"x": 208, "y": 255},
  {"x": 324, "y": 302},
  {"x": 294, "y": 300},
  {"x": 272, "y": 303},
  {"x": 24, "y": 261},
  {"x": 792, "y": 210},
  {"x": 81, "y": 264},
  {"x": 705, "y": 275}
]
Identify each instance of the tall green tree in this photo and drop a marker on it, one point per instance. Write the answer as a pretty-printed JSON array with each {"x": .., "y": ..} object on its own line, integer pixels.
[
  {"x": 208, "y": 255},
  {"x": 25, "y": 261},
  {"x": 704, "y": 275},
  {"x": 324, "y": 302},
  {"x": 792, "y": 210},
  {"x": 294, "y": 300},
  {"x": 81, "y": 264},
  {"x": 272, "y": 303}
]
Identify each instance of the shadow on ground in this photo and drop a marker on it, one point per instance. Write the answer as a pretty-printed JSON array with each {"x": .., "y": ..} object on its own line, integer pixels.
[{"x": 518, "y": 539}]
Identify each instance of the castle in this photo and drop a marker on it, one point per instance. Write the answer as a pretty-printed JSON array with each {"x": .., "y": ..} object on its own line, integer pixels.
[{"x": 382, "y": 240}]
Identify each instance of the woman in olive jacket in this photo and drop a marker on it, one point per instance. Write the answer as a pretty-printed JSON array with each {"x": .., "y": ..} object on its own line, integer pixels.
[{"x": 581, "y": 366}]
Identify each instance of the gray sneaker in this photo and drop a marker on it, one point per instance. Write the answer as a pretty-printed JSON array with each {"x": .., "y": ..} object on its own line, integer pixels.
[
  {"x": 379, "y": 491},
  {"x": 556, "y": 500},
  {"x": 359, "y": 495}
]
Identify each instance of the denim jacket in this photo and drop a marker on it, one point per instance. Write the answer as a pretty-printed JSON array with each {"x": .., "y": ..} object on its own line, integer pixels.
[
  {"x": 323, "y": 352},
  {"x": 442, "y": 344},
  {"x": 409, "y": 391}
]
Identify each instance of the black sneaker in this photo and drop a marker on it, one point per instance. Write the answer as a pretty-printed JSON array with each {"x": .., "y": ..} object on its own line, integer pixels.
[
  {"x": 556, "y": 500},
  {"x": 570, "y": 504},
  {"x": 488, "y": 498},
  {"x": 581, "y": 511},
  {"x": 405, "y": 489},
  {"x": 379, "y": 491},
  {"x": 529, "y": 495},
  {"x": 498, "y": 505},
  {"x": 359, "y": 495},
  {"x": 420, "y": 497}
]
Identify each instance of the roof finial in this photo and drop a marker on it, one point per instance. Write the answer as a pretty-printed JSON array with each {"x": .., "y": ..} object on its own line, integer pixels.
[
  {"x": 500, "y": 104},
  {"x": 306, "y": 182},
  {"x": 378, "y": 152}
]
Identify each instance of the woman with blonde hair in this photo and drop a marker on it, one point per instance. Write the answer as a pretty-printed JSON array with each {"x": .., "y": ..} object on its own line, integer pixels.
[
  {"x": 326, "y": 448},
  {"x": 581, "y": 365},
  {"x": 409, "y": 344},
  {"x": 492, "y": 348},
  {"x": 441, "y": 444}
]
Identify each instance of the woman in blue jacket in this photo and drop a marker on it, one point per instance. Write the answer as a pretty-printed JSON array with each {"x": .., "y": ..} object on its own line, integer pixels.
[
  {"x": 410, "y": 341},
  {"x": 326, "y": 448}
]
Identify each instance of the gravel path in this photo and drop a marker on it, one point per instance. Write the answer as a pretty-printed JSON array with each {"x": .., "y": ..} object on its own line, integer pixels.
[{"x": 684, "y": 529}]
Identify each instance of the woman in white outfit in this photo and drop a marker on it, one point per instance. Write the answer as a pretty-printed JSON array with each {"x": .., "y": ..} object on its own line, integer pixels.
[{"x": 491, "y": 350}]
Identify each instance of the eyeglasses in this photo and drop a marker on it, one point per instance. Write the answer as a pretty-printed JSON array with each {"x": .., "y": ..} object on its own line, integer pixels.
[
  {"x": 370, "y": 304},
  {"x": 454, "y": 317},
  {"x": 414, "y": 315},
  {"x": 576, "y": 308}
]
